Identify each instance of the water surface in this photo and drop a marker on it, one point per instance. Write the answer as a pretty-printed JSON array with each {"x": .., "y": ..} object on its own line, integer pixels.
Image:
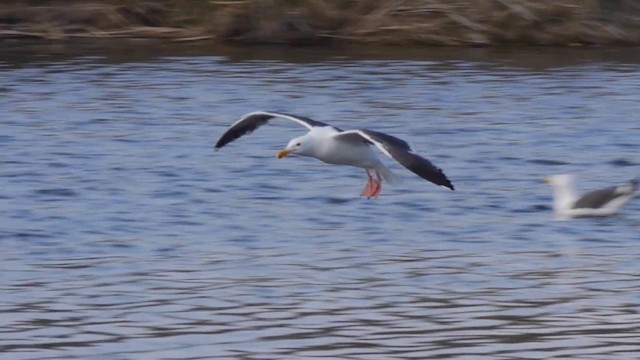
[{"x": 125, "y": 235}]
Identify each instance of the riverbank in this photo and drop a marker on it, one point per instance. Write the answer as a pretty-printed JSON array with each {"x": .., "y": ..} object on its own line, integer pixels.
[{"x": 313, "y": 22}]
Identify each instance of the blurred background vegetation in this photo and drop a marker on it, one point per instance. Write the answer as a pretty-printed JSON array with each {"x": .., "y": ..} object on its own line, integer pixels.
[{"x": 310, "y": 22}]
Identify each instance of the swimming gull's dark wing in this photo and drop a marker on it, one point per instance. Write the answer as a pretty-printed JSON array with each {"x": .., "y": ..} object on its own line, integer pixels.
[
  {"x": 600, "y": 198},
  {"x": 400, "y": 151},
  {"x": 251, "y": 121}
]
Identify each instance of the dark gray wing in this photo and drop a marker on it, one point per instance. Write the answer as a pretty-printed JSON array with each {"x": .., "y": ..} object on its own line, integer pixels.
[
  {"x": 599, "y": 198},
  {"x": 400, "y": 151},
  {"x": 251, "y": 121}
]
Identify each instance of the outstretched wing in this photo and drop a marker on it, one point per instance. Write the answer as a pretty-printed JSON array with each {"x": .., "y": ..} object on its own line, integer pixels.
[
  {"x": 251, "y": 121},
  {"x": 400, "y": 151}
]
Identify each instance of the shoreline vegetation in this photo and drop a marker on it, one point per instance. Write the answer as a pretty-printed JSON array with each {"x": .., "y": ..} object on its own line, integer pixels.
[{"x": 329, "y": 22}]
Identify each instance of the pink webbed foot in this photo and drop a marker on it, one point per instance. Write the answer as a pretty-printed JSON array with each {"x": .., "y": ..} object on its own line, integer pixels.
[
  {"x": 377, "y": 189},
  {"x": 372, "y": 189}
]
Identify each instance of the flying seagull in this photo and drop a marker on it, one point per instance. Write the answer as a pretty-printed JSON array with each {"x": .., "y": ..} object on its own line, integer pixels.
[
  {"x": 604, "y": 202},
  {"x": 343, "y": 147}
]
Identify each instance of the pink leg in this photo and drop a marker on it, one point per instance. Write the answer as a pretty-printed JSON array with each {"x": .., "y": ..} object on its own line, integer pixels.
[
  {"x": 373, "y": 187},
  {"x": 368, "y": 189},
  {"x": 377, "y": 188}
]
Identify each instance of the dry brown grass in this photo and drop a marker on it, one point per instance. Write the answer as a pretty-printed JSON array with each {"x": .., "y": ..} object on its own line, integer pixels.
[
  {"x": 438, "y": 22},
  {"x": 431, "y": 22},
  {"x": 55, "y": 20}
]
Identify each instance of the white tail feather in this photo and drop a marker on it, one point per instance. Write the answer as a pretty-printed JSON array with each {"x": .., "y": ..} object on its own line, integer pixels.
[{"x": 386, "y": 174}]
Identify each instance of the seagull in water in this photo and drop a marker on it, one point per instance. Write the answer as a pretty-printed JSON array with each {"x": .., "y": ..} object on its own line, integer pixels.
[
  {"x": 343, "y": 147},
  {"x": 604, "y": 202}
]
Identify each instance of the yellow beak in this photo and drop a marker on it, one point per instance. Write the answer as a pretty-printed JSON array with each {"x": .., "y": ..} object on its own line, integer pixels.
[{"x": 284, "y": 153}]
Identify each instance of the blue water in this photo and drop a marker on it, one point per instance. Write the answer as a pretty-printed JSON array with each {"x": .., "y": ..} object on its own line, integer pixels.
[{"x": 125, "y": 235}]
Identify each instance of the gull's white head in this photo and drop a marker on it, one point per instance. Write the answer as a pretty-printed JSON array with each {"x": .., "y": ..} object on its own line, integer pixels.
[{"x": 299, "y": 146}]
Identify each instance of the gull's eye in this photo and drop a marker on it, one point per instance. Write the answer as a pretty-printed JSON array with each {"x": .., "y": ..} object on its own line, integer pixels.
[{"x": 298, "y": 144}]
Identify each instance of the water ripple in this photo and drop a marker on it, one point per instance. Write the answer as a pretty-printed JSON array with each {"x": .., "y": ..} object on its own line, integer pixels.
[{"x": 125, "y": 235}]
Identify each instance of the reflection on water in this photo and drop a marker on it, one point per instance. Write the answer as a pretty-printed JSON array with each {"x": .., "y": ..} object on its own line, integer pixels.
[{"x": 125, "y": 235}]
